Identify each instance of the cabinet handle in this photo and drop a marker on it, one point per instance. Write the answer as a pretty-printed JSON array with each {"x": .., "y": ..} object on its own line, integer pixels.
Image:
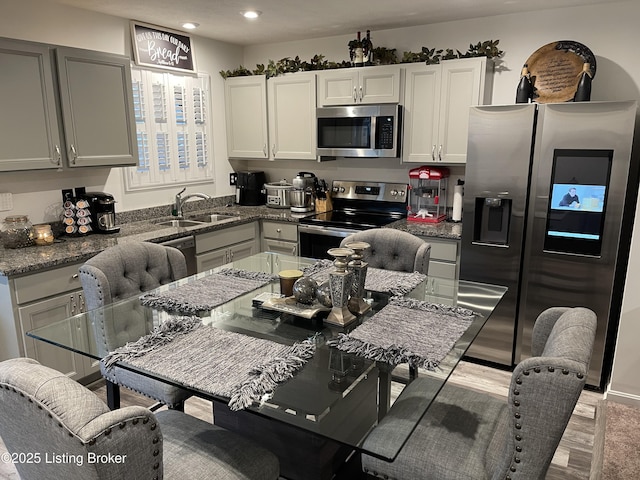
[
  {"x": 74, "y": 154},
  {"x": 74, "y": 276},
  {"x": 355, "y": 94},
  {"x": 440, "y": 153},
  {"x": 294, "y": 250},
  {"x": 273, "y": 150},
  {"x": 82, "y": 305},
  {"x": 433, "y": 152},
  {"x": 361, "y": 96},
  {"x": 58, "y": 156},
  {"x": 73, "y": 305},
  {"x": 264, "y": 150}
]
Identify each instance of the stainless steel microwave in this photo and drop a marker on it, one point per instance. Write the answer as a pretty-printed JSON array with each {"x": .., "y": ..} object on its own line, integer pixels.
[{"x": 359, "y": 130}]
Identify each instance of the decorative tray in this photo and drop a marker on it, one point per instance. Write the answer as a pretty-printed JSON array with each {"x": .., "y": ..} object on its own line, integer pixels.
[
  {"x": 289, "y": 305},
  {"x": 555, "y": 70}
]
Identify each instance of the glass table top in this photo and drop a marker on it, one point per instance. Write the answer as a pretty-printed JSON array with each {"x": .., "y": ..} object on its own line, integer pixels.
[{"x": 336, "y": 395}]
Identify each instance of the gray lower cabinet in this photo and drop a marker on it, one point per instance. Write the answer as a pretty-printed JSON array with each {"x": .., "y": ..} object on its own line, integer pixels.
[
  {"x": 444, "y": 266},
  {"x": 80, "y": 114},
  {"x": 219, "y": 247},
  {"x": 279, "y": 237},
  {"x": 39, "y": 300}
]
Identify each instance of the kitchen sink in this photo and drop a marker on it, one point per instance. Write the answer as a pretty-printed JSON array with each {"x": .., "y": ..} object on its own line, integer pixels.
[
  {"x": 213, "y": 218},
  {"x": 179, "y": 223}
]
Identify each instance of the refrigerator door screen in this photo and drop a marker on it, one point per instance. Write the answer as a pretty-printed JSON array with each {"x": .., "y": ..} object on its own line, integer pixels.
[{"x": 577, "y": 201}]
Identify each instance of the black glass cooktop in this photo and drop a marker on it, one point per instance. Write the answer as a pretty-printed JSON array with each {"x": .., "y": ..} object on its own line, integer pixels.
[{"x": 350, "y": 219}]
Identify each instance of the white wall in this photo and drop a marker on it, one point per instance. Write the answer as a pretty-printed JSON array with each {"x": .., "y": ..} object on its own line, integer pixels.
[
  {"x": 612, "y": 34},
  {"x": 37, "y": 194}
]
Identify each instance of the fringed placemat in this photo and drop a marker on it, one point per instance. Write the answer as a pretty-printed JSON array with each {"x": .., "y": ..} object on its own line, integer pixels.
[
  {"x": 408, "y": 331},
  {"x": 223, "y": 363},
  {"x": 208, "y": 292},
  {"x": 377, "y": 280}
]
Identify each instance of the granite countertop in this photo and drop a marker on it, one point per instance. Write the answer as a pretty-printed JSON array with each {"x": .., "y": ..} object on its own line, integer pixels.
[{"x": 143, "y": 226}]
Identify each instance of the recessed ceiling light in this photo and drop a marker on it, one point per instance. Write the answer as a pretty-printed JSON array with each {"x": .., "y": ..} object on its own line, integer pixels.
[
  {"x": 251, "y": 14},
  {"x": 190, "y": 25}
]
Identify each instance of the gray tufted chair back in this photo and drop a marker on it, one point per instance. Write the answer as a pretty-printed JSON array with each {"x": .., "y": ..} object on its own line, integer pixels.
[
  {"x": 393, "y": 249},
  {"x": 544, "y": 391},
  {"x": 45, "y": 413},
  {"x": 126, "y": 270},
  {"x": 60, "y": 429}
]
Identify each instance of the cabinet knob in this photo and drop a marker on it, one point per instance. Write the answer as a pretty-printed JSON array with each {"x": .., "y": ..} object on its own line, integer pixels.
[{"x": 278, "y": 230}]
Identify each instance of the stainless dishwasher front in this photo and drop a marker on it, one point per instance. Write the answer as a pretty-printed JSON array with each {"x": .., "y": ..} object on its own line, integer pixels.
[{"x": 187, "y": 245}]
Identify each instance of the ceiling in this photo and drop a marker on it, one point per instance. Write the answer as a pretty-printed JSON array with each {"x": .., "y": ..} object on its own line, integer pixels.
[{"x": 289, "y": 20}]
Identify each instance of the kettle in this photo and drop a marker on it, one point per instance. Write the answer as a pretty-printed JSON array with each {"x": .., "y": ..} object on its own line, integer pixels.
[{"x": 303, "y": 195}]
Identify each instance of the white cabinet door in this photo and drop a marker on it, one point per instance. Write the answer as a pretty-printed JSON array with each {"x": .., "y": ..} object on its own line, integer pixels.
[
  {"x": 437, "y": 101},
  {"x": 97, "y": 108},
  {"x": 362, "y": 85},
  {"x": 212, "y": 259},
  {"x": 421, "y": 112},
  {"x": 291, "y": 104},
  {"x": 243, "y": 250},
  {"x": 46, "y": 312},
  {"x": 29, "y": 132},
  {"x": 462, "y": 87},
  {"x": 246, "y": 113}
]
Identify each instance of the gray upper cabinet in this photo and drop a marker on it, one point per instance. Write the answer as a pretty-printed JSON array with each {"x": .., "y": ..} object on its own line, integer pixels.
[
  {"x": 29, "y": 132},
  {"x": 78, "y": 114},
  {"x": 97, "y": 108}
]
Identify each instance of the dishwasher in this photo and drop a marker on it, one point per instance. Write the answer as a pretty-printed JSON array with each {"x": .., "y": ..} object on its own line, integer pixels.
[{"x": 187, "y": 245}]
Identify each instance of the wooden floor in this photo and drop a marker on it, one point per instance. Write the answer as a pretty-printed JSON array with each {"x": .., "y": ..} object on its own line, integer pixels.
[{"x": 572, "y": 460}]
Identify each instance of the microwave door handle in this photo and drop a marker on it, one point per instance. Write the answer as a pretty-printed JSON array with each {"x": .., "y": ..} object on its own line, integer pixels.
[{"x": 374, "y": 126}]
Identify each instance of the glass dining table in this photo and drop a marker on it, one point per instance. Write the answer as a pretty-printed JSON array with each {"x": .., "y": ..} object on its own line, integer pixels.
[{"x": 335, "y": 395}]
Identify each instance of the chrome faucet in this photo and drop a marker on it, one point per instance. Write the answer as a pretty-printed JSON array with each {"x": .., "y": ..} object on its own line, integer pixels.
[{"x": 177, "y": 208}]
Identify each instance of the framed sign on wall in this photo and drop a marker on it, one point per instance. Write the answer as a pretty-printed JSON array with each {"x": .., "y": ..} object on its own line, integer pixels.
[{"x": 159, "y": 47}]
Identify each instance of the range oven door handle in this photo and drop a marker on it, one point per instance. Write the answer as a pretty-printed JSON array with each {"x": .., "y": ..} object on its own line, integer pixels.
[{"x": 327, "y": 231}]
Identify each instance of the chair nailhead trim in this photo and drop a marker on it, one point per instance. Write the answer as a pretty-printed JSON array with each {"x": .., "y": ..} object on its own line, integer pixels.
[
  {"x": 516, "y": 392},
  {"x": 517, "y": 415},
  {"x": 516, "y": 459},
  {"x": 156, "y": 440},
  {"x": 156, "y": 466},
  {"x": 516, "y": 403},
  {"x": 518, "y": 438},
  {"x": 519, "y": 449},
  {"x": 122, "y": 425},
  {"x": 156, "y": 452},
  {"x": 107, "y": 431},
  {"x": 580, "y": 376},
  {"x": 536, "y": 369},
  {"x": 513, "y": 469},
  {"x": 519, "y": 381},
  {"x": 153, "y": 427},
  {"x": 518, "y": 426}
]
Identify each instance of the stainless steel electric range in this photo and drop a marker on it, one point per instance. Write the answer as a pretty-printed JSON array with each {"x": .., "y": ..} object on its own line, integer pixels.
[{"x": 356, "y": 206}]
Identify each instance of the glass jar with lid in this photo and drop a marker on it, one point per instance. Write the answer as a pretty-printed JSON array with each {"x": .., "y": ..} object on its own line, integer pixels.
[{"x": 17, "y": 232}]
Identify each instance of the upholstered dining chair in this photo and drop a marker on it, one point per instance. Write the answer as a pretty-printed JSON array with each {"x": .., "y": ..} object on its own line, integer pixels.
[
  {"x": 123, "y": 271},
  {"x": 63, "y": 430},
  {"x": 471, "y": 435},
  {"x": 393, "y": 249}
]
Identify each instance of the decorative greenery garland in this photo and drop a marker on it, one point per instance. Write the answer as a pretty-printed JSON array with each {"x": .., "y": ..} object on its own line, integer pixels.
[{"x": 381, "y": 55}]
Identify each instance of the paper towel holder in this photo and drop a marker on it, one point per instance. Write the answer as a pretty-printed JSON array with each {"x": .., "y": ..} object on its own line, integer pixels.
[{"x": 458, "y": 192}]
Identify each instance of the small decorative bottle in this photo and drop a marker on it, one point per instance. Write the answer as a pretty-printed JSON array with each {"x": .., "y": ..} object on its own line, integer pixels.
[
  {"x": 524, "y": 92},
  {"x": 359, "y": 51},
  {"x": 583, "y": 91}
]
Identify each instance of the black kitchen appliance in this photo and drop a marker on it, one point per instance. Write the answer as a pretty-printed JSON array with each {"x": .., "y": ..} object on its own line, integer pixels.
[
  {"x": 250, "y": 188},
  {"x": 103, "y": 212},
  {"x": 357, "y": 205}
]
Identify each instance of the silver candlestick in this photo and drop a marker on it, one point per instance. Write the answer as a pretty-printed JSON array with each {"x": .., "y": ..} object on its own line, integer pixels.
[
  {"x": 340, "y": 282},
  {"x": 356, "y": 303}
]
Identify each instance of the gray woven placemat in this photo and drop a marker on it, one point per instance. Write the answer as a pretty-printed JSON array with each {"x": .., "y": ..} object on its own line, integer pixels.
[
  {"x": 408, "y": 331},
  {"x": 377, "y": 280},
  {"x": 219, "y": 362},
  {"x": 208, "y": 292}
]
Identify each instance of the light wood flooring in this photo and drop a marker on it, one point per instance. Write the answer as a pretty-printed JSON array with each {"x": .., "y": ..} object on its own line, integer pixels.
[{"x": 572, "y": 460}]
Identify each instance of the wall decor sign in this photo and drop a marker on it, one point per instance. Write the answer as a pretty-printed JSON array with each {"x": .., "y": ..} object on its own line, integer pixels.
[{"x": 159, "y": 47}]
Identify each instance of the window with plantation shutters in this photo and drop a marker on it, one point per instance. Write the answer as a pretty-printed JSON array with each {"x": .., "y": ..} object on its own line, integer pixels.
[{"x": 173, "y": 126}]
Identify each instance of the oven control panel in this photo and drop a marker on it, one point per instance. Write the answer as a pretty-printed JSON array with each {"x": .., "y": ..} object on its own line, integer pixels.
[{"x": 374, "y": 191}]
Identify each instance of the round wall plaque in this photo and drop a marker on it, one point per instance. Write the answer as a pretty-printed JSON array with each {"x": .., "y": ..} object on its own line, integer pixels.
[{"x": 555, "y": 70}]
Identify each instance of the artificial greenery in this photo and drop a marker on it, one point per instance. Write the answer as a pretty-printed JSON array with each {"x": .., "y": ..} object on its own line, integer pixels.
[{"x": 381, "y": 56}]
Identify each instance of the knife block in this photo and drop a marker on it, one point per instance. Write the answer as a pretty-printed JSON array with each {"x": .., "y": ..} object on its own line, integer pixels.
[{"x": 323, "y": 204}]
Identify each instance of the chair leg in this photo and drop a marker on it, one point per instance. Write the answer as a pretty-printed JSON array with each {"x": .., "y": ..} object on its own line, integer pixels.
[{"x": 113, "y": 395}]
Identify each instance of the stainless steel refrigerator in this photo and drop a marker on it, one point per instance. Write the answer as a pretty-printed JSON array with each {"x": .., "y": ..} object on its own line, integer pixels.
[{"x": 550, "y": 193}]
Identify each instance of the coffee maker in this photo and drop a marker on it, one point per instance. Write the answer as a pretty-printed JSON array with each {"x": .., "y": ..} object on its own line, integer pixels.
[
  {"x": 250, "y": 188},
  {"x": 103, "y": 212}
]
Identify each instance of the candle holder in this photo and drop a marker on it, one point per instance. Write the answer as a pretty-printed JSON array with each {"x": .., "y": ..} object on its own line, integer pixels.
[
  {"x": 340, "y": 282},
  {"x": 356, "y": 303}
]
